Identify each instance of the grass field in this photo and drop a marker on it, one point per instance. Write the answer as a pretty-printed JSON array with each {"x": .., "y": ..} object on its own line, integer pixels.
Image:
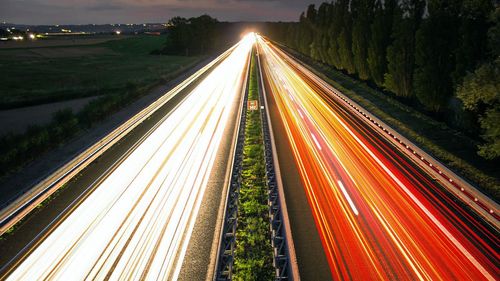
[
  {"x": 48, "y": 74},
  {"x": 116, "y": 72}
]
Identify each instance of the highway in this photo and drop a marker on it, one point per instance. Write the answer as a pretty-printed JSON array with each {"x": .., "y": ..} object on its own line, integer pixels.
[
  {"x": 380, "y": 213},
  {"x": 138, "y": 220},
  {"x": 27, "y": 199}
]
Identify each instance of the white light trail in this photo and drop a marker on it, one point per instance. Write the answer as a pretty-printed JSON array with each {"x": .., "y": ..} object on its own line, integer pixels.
[
  {"x": 138, "y": 221},
  {"x": 315, "y": 141},
  {"x": 349, "y": 200}
]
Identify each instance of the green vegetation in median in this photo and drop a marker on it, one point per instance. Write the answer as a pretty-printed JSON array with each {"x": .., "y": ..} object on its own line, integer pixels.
[
  {"x": 450, "y": 146},
  {"x": 49, "y": 74},
  {"x": 254, "y": 253}
]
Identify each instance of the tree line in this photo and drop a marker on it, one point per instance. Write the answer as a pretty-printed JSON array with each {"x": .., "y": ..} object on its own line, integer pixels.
[
  {"x": 200, "y": 35},
  {"x": 192, "y": 36},
  {"x": 442, "y": 56}
]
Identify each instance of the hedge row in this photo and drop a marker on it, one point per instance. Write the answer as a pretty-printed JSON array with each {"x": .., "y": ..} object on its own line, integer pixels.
[{"x": 17, "y": 150}]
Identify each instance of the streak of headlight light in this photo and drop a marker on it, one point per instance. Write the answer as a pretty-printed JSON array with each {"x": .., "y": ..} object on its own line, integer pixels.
[{"x": 133, "y": 225}]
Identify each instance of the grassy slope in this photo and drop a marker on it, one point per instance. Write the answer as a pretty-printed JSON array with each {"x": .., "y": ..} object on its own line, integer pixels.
[
  {"x": 451, "y": 147},
  {"x": 35, "y": 76}
]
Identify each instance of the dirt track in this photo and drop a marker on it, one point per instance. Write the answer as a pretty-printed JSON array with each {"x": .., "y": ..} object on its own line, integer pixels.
[{"x": 19, "y": 119}]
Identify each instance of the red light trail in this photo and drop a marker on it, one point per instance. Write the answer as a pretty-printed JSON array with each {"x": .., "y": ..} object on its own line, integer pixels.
[{"x": 379, "y": 216}]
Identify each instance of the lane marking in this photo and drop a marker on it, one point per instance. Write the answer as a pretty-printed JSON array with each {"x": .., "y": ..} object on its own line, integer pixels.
[
  {"x": 316, "y": 141},
  {"x": 300, "y": 113},
  {"x": 349, "y": 200}
]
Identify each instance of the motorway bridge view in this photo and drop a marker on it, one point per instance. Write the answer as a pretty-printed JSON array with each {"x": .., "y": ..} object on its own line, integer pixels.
[{"x": 361, "y": 201}]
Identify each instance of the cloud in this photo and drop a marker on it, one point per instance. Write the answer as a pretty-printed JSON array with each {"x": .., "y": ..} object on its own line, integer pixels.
[
  {"x": 104, "y": 7},
  {"x": 138, "y": 11}
]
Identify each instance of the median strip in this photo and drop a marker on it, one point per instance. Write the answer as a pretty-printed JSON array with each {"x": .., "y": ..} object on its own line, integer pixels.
[
  {"x": 253, "y": 243},
  {"x": 253, "y": 253}
]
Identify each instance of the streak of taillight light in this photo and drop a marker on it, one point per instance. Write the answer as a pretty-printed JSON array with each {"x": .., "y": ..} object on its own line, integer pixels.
[{"x": 378, "y": 216}]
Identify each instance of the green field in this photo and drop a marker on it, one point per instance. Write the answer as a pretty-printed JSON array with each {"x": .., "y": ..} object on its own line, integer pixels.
[
  {"x": 118, "y": 71},
  {"x": 48, "y": 74}
]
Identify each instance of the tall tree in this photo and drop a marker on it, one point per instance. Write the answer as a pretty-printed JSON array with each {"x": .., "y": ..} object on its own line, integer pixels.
[
  {"x": 494, "y": 33},
  {"x": 362, "y": 14},
  {"x": 472, "y": 33},
  {"x": 306, "y": 31},
  {"x": 319, "y": 47},
  {"x": 317, "y": 35},
  {"x": 345, "y": 38},
  {"x": 204, "y": 29},
  {"x": 480, "y": 93},
  {"x": 293, "y": 35},
  {"x": 380, "y": 39},
  {"x": 434, "y": 58},
  {"x": 191, "y": 36},
  {"x": 401, "y": 53},
  {"x": 334, "y": 30}
]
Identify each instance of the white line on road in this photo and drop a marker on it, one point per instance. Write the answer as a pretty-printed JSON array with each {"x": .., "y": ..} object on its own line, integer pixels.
[
  {"x": 351, "y": 203},
  {"x": 316, "y": 141}
]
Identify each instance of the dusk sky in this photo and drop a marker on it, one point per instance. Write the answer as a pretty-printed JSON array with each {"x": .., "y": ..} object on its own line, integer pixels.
[{"x": 139, "y": 11}]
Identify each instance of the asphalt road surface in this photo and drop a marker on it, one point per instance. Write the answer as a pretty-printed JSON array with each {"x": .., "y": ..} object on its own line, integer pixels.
[
  {"x": 136, "y": 220},
  {"x": 377, "y": 213}
]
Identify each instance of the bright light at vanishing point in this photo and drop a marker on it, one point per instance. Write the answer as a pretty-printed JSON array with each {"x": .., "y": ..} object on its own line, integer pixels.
[{"x": 249, "y": 39}]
